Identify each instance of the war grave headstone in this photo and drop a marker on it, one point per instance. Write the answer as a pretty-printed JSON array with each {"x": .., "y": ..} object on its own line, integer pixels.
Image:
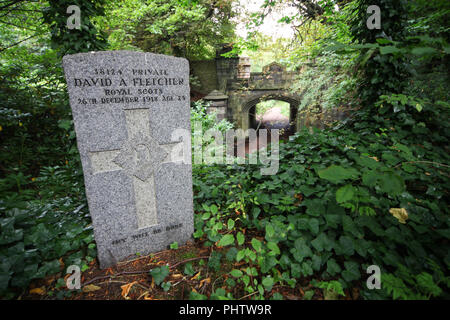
[{"x": 132, "y": 121}]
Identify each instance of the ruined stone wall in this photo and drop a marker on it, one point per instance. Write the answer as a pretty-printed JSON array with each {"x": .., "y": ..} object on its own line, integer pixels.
[
  {"x": 317, "y": 118},
  {"x": 205, "y": 71}
]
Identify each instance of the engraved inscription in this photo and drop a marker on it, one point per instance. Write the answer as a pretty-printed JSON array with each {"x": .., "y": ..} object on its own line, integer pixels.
[
  {"x": 146, "y": 234},
  {"x": 146, "y": 85}
]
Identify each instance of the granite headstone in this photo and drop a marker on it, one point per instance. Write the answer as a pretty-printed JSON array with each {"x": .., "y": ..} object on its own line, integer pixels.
[{"x": 132, "y": 120}]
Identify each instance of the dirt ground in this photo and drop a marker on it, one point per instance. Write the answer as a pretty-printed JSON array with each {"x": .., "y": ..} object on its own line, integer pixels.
[{"x": 130, "y": 280}]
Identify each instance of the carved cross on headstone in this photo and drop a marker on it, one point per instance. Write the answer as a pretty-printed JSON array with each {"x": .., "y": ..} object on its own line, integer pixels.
[
  {"x": 131, "y": 115},
  {"x": 140, "y": 157}
]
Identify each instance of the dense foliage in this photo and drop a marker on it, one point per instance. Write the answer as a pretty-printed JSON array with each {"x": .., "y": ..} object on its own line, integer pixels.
[
  {"x": 370, "y": 190},
  {"x": 191, "y": 29},
  {"x": 336, "y": 219}
]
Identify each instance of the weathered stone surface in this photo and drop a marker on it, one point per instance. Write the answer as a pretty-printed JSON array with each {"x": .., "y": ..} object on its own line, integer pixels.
[{"x": 132, "y": 119}]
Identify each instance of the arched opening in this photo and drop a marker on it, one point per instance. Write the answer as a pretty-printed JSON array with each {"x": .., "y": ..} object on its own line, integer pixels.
[
  {"x": 273, "y": 113},
  {"x": 250, "y": 120}
]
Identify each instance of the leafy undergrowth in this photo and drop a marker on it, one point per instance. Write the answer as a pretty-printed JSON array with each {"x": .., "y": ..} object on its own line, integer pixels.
[
  {"x": 341, "y": 201},
  {"x": 188, "y": 272},
  {"x": 43, "y": 227}
]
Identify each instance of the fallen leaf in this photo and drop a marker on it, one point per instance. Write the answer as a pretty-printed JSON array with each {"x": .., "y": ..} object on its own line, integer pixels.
[
  {"x": 90, "y": 288},
  {"x": 207, "y": 280},
  {"x": 126, "y": 289},
  {"x": 196, "y": 276},
  {"x": 109, "y": 271},
  {"x": 177, "y": 276},
  {"x": 400, "y": 214},
  {"x": 40, "y": 291},
  {"x": 50, "y": 280}
]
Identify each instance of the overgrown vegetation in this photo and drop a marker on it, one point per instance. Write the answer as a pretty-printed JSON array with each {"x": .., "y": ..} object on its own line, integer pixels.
[{"x": 370, "y": 190}]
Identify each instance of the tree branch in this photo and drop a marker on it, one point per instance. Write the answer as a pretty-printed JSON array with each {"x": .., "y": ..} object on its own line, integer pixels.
[{"x": 19, "y": 42}]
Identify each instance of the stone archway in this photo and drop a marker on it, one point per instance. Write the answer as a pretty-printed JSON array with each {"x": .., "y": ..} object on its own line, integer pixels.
[
  {"x": 248, "y": 109},
  {"x": 244, "y": 115},
  {"x": 240, "y": 90}
]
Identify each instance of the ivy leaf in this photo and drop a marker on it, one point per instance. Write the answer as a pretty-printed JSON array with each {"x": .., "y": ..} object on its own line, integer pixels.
[
  {"x": 236, "y": 273},
  {"x": 65, "y": 124},
  {"x": 313, "y": 226},
  {"x": 301, "y": 250},
  {"x": 425, "y": 281},
  {"x": 307, "y": 268},
  {"x": 368, "y": 162},
  {"x": 351, "y": 271},
  {"x": 345, "y": 193},
  {"x": 322, "y": 243},
  {"x": 256, "y": 244},
  {"x": 159, "y": 274},
  {"x": 370, "y": 178},
  {"x": 206, "y": 215},
  {"x": 251, "y": 254},
  {"x": 337, "y": 174},
  {"x": 333, "y": 220},
  {"x": 226, "y": 240},
  {"x": 316, "y": 262},
  {"x": 197, "y": 296},
  {"x": 295, "y": 270},
  {"x": 230, "y": 224},
  {"x": 267, "y": 263},
  {"x": 213, "y": 209},
  {"x": 392, "y": 184},
  {"x": 315, "y": 207},
  {"x": 267, "y": 282},
  {"x": 350, "y": 227},
  {"x": 346, "y": 245},
  {"x": 166, "y": 286},
  {"x": 273, "y": 248},
  {"x": 188, "y": 269},
  {"x": 240, "y": 238},
  {"x": 332, "y": 267},
  {"x": 270, "y": 231},
  {"x": 240, "y": 255},
  {"x": 361, "y": 247}
]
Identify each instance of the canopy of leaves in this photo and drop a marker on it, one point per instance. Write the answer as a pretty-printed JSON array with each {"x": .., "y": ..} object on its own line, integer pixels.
[{"x": 190, "y": 29}]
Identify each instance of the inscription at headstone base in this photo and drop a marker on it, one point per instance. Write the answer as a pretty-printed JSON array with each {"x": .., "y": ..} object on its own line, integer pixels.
[{"x": 132, "y": 120}]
